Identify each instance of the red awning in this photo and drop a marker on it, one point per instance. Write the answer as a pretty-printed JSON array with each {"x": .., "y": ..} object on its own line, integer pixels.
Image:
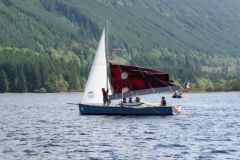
[{"x": 125, "y": 78}]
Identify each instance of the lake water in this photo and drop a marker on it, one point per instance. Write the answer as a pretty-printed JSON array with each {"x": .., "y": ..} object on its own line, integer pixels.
[{"x": 43, "y": 126}]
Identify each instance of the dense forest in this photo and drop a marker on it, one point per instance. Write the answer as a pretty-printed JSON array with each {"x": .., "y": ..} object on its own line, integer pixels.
[
  {"x": 25, "y": 71},
  {"x": 48, "y": 46}
]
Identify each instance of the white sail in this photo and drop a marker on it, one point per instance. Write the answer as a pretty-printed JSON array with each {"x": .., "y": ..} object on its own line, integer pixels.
[{"x": 97, "y": 78}]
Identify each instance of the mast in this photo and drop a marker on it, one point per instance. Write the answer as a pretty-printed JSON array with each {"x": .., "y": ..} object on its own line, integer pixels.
[{"x": 107, "y": 54}]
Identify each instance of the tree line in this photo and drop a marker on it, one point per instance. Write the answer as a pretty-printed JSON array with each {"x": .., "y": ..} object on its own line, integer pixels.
[{"x": 23, "y": 70}]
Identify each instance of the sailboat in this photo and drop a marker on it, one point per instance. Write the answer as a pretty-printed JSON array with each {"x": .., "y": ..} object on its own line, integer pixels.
[{"x": 123, "y": 81}]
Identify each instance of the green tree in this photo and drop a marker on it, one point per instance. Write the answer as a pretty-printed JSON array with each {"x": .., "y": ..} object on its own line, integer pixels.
[
  {"x": 234, "y": 85},
  {"x": 205, "y": 84},
  {"x": 20, "y": 83},
  {"x": 3, "y": 82}
]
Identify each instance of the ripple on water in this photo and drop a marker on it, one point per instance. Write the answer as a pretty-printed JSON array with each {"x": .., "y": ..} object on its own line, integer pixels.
[
  {"x": 51, "y": 145},
  {"x": 220, "y": 151},
  {"x": 147, "y": 132},
  {"x": 84, "y": 151},
  {"x": 83, "y": 134},
  {"x": 159, "y": 146},
  {"x": 30, "y": 152},
  {"x": 150, "y": 139},
  {"x": 9, "y": 150},
  {"x": 43, "y": 126}
]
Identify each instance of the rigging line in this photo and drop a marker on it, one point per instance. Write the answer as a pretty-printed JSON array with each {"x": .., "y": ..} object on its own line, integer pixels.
[
  {"x": 121, "y": 83},
  {"x": 127, "y": 81},
  {"x": 143, "y": 76},
  {"x": 117, "y": 89},
  {"x": 130, "y": 87},
  {"x": 158, "y": 78},
  {"x": 118, "y": 83},
  {"x": 147, "y": 64},
  {"x": 160, "y": 81},
  {"x": 150, "y": 75}
]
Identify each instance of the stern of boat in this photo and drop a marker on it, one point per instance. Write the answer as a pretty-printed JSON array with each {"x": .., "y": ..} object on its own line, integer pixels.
[{"x": 177, "y": 109}]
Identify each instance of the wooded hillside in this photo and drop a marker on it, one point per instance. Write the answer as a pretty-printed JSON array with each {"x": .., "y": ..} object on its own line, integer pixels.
[{"x": 192, "y": 40}]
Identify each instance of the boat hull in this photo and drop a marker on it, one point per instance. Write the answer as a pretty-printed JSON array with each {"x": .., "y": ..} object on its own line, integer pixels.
[{"x": 111, "y": 110}]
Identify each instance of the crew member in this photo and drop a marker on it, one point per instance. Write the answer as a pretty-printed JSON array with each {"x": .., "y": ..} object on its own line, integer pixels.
[
  {"x": 163, "y": 101},
  {"x": 105, "y": 97},
  {"x": 124, "y": 100},
  {"x": 130, "y": 100},
  {"x": 137, "y": 99}
]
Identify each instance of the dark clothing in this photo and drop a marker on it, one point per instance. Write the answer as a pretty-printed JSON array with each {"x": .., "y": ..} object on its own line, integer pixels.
[
  {"x": 105, "y": 100},
  {"x": 130, "y": 100},
  {"x": 124, "y": 100},
  {"x": 105, "y": 93},
  {"x": 137, "y": 99},
  {"x": 105, "y": 97},
  {"x": 163, "y": 102}
]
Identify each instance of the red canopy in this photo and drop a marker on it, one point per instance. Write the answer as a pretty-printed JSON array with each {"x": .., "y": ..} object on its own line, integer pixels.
[{"x": 129, "y": 79}]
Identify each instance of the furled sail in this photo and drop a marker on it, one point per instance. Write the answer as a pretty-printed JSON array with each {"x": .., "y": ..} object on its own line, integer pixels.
[
  {"x": 97, "y": 78},
  {"x": 133, "y": 80}
]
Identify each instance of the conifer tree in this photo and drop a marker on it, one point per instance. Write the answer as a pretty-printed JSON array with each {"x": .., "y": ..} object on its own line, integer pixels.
[{"x": 3, "y": 82}]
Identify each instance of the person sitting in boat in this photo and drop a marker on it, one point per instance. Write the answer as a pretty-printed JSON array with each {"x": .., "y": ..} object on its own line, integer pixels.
[
  {"x": 105, "y": 97},
  {"x": 163, "y": 101},
  {"x": 124, "y": 100},
  {"x": 175, "y": 95},
  {"x": 130, "y": 100},
  {"x": 137, "y": 99}
]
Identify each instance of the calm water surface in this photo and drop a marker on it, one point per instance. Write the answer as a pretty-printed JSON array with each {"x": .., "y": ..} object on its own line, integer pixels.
[{"x": 43, "y": 126}]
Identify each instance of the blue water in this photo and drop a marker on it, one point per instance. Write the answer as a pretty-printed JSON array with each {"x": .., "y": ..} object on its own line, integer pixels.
[{"x": 43, "y": 126}]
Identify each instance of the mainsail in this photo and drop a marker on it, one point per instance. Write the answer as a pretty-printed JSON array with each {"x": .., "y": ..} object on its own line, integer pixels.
[
  {"x": 97, "y": 78},
  {"x": 133, "y": 80}
]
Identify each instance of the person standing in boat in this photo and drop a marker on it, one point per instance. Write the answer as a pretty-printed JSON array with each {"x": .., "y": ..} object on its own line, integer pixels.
[
  {"x": 105, "y": 97},
  {"x": 163, "y": 101}
]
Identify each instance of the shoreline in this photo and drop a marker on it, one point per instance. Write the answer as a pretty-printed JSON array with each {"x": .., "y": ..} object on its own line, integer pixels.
[{"x": 82, "y": 92}]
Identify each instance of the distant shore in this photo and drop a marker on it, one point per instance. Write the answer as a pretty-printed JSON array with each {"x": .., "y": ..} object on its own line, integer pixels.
[{"x": 165, "y": 92}]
